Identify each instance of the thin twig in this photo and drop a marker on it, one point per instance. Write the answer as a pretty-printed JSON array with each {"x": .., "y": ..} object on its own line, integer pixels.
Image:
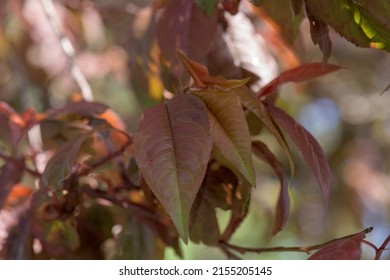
[
  {"x": 106, "y": 159},
  {"x": 68, "y": 49},
  {"x": 382, "y": 248},
  {"x": 304, "y": 249},
  {"x": 17, "y": 163}
]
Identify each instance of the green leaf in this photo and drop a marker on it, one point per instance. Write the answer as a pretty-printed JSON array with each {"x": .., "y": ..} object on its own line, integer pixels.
[
  {"x": 364, "y": 23},
  {"x": 172, "y": 149},
  {"x": 229, "y": 131},
  {"x": 207, "y": 6}
]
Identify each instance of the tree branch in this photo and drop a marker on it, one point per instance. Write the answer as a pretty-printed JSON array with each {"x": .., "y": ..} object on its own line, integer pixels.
[
  {"x": 68, "y": 49},
  {"x": 18, "y": 164}
]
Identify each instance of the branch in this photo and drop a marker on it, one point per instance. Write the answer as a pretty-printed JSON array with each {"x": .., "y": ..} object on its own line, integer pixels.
[
  {"x": 68, "y": 49},
  {"x": 305, "y": 249},
  {"x": 382, "y": 248},
  {"x": 18, "y": 164},
  {"x": 106, "y": 159}
]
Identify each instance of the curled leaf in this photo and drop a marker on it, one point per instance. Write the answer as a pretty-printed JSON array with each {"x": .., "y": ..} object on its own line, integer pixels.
[
  {"x": 308, "y": 146},
  {"x": 283, "y": 205}
]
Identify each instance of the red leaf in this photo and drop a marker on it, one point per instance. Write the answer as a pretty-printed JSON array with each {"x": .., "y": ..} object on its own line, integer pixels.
[
  {"x": 309, "y": 147},
  {"x": 172, "y": 149},
  {"x": 345, "y": 248},
  {"x": 319, "y": 32},
  {"x": 10, "y": 174},
  {"x": 283, "y": 205},
  {"x": 182, "y": 25},
  {"x": 299, "y": 74}
]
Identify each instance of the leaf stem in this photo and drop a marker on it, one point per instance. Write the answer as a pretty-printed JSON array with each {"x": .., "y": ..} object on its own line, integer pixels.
[
  {"x": 20, "y": 164},
  {"x": 106, "y": 159},
  {"x": 304, "y": 249},
  {"x": 68, "y": 49}
]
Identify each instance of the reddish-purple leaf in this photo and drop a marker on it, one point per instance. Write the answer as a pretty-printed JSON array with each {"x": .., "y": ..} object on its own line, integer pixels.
[
  {"x": 319, "y": 32},
  {"x": 299, "y": 74},
  {"x": 172, "y": 149},
  {"x": 10, "y": 174},
  {"x": 309, "y": 147},
  {"x": 345, "y": 248},
  {"x": 283, "y": 205},
  {"x": 182, "y": 25}
]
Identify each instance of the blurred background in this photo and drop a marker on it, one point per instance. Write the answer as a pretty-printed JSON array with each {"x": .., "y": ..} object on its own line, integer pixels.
[{"x": 117, "y": 52}]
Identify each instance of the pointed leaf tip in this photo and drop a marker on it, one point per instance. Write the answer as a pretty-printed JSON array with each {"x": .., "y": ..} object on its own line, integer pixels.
[
  {"x": 308, "y": 146},
  {"x": 172, "y": 149}
]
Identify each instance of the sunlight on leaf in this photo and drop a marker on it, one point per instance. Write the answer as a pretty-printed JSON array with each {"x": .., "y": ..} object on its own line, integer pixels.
[{"x": 229, "y": 130}]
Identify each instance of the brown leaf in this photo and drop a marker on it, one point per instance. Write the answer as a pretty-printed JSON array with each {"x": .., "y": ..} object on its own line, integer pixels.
[
  {"x": 283, "y": 205},
  {"x": 345, "y": 248},
  {"x": 299, "y": 74},
  {"x": 308, "y": 146},
  {"x": 172, "y": 149}
]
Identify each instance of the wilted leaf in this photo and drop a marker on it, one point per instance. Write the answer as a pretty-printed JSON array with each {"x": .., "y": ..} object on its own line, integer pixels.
[
  {"x": 182, "y": 25},
  {"x": 207, "y": 6},
  {"x": 364, "y": 23},
  {"x": 308, "y": 146},
  {"x": 299, "y": 74},
  {"x": 283, "y": 205},
  {"x": 10, "y": 174},
  {"x": 345, "y": 248},
  {"x": 229, "y": 131},
  {"x": 320, "y": 36},
  {"x": 172, "y": 149},
  {"x": 61, "y": 164}
]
